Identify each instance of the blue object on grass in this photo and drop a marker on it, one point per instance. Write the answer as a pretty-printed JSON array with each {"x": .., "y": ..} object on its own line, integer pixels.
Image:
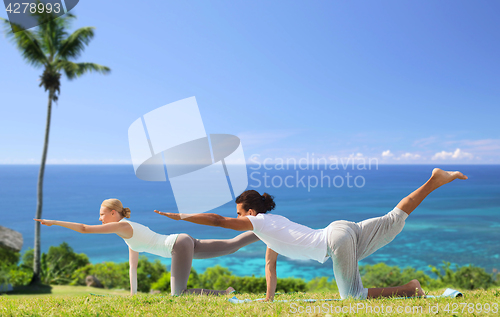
[{"x": 449, "y": 292}]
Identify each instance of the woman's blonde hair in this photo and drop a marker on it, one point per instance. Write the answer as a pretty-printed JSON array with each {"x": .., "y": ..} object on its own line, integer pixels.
[{"x": 116, "y": 204}]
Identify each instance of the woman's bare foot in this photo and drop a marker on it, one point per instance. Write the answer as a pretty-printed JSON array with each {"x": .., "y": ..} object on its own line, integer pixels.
[
  {"x": 414, "y": 289},
  {"x": 444, "y": 177}
]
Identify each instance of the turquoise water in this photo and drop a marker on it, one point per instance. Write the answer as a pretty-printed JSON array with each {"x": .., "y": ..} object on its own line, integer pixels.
[{"x": 459, "y": 223}]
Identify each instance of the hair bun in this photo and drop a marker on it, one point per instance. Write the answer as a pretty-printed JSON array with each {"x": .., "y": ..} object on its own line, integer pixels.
[
  {"x": 126, "y": 212},
  {"x": 268, "y": 202},
  {"x": 251, "y": 199}
]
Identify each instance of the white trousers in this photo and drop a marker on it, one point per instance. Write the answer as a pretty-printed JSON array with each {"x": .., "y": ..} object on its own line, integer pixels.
[{"x": 349, "y": 242}]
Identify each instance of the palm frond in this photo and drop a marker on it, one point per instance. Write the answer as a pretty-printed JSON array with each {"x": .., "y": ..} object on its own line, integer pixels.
[
  {"x": 53, "y": 31},
  {"x": 28, "y": 43},
  {"x": 73, "y": 46},
  {"x": 74, "y": 70}
]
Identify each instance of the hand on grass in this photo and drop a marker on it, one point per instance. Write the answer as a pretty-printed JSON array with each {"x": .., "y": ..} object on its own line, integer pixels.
[
  {"x": 171, "y": 215},
  {"x": 45, "y": 222}
]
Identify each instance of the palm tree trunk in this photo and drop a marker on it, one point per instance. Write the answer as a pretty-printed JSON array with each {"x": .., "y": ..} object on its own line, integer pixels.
[{"x": 36, "y": 257}]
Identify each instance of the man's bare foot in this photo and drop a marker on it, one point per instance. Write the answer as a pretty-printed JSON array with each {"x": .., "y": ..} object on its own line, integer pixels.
[
  {"x": 444, "y": 177},
  {"x": 414, "y": 289}
]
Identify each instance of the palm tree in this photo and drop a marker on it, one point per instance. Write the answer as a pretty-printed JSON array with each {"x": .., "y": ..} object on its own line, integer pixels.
[{"x": 50, "y": 47}]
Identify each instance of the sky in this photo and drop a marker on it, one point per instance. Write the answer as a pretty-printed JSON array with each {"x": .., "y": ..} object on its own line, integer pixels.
[{"x": 404, "y": 82}]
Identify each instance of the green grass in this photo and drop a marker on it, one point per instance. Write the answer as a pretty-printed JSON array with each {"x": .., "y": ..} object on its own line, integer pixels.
[
  {"x": 63, "y": 290},
  {"x": 77, "y": 301}
]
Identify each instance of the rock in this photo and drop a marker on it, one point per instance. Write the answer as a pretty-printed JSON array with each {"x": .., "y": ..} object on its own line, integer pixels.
[
  {"x": 91, "y": 280},
  {"x": 10, "y": 239}
]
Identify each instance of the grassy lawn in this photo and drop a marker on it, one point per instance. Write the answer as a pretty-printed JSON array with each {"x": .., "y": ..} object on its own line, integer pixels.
[{"x": 77, "y": 301}]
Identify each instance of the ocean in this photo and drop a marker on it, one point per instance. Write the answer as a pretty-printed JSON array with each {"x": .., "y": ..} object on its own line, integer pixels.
[{"x": 458, "y": 223}]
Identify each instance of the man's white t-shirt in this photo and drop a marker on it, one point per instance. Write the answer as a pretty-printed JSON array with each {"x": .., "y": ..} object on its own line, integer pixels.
[{"x": 289, "y": 238}]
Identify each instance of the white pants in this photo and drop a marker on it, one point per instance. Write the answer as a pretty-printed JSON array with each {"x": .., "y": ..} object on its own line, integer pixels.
[{"x": 349, "y": 242}]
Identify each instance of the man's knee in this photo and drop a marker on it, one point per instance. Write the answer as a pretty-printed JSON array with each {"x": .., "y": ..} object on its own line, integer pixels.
[{"x": 344, "y": 243}]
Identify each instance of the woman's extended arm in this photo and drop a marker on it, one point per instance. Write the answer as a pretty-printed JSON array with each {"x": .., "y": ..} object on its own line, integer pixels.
[
  {"x": 133, "y": 259},
  {"x": 271, "y": 277},
  {"x": 122, "y": 229},
  {"x": 240, "y": 224}
]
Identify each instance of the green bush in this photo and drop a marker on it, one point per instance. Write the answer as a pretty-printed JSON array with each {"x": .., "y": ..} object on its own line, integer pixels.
[
  {"x": 10, "y": 273},
  {"x": 194, "y": 280},
  {"x": 290, "y": 284},
  {"x": 220, "y": 278},
  {"x": 79, "y": 275},
  {"x": 248, "y": 284},
  {"x": 110, "y": 274},
  {"x": 4, "y": 275},
  {"x": 113, "y": 275},
  {"x": 215, "y": 277},
  {"x": 382, "y": 275},
  {"x": 321, "y": 284},
  {"x": 59, "y": 264},
  {"x": 27, "y": 260},
  {"x": 148, "y": 273},
  {"x": 116, "y": 275},
  {"x": 20, "y": 276},
  {"x": 163, "y": 283},
  {"x": 473, "y": 277},
  {"x": 466, "y": 277},
  {"x": 252, "y": 284},
  {"x": 8, "y": 257}
]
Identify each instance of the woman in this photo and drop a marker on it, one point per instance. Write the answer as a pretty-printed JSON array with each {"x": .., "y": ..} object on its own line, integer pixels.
[
  {"x": 182, "y": 248},
  {"x": 344, "y": 241}
]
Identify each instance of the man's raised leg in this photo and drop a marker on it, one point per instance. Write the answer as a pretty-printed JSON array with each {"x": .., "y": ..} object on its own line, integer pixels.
[
  {"x": 408, "y": 204},
  {"x": 438, "y": 179}
]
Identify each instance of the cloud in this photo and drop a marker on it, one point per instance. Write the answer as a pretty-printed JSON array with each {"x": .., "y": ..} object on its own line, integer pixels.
[
  {"x": 387, "y": 154},
  {"x": 410, "y": 156},
  {"x": 406, "y": 156},
  {"x": 458, "y": 154}
]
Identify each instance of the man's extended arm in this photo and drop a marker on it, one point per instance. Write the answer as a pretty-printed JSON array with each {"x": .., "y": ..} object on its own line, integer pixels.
[{"x": 240, "y": 224}]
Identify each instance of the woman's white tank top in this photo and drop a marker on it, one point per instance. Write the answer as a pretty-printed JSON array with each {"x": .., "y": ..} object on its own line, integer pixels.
[{"x": 146, "y": 240}]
